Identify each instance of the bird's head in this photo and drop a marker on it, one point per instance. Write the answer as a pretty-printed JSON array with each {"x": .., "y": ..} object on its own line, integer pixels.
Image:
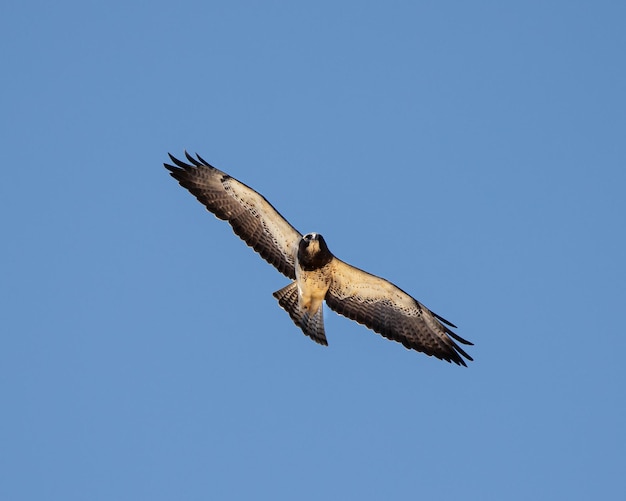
[{"x": 313, "y": 253}]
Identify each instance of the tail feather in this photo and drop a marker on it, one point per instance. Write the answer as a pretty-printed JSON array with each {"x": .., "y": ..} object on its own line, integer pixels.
[{"x": 311, "y": 325}]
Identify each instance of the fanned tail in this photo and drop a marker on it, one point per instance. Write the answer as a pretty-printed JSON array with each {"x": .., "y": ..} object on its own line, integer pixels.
[{"x": 311, "y": 325}]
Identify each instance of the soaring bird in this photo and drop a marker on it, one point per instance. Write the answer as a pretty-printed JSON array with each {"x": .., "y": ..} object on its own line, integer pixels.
[{"x": 316, "y": 274}]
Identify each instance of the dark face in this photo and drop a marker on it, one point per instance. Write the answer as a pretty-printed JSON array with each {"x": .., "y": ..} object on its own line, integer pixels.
[{"x": 313, "y": 252}]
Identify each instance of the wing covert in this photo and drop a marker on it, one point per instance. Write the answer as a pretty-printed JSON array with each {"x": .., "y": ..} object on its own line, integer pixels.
[
  {"x": 391, "y": 312},
  {"x": 251, "y": 216}
]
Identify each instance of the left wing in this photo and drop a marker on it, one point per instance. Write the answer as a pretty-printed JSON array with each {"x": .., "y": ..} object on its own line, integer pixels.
[
  {"x": 252, "y": 217},
  {"x": 388, "y": 310}
]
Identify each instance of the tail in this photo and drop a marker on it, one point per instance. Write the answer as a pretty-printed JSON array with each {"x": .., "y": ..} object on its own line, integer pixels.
[{"x": 312, "y": 326}]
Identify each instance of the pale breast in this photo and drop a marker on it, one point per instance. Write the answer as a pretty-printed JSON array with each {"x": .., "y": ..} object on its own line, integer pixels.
[{"x": 312, "y": 287}]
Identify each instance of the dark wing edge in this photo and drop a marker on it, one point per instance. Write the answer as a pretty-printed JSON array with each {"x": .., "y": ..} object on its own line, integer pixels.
[
  {"x": 251, "y": 216},
  {"x": 450, "y": 332},
  {"x": 376, "y": 308}
]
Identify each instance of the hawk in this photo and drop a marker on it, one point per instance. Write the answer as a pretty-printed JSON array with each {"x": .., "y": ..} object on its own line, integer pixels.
[{"x": 316, "y": 274}]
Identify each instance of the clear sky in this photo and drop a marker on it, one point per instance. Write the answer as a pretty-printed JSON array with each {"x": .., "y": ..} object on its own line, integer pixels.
[{"x": 474, "y": 153}]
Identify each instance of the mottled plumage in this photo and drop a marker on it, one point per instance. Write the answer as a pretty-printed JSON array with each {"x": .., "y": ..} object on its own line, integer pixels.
[{"x": 318, "y": 275}]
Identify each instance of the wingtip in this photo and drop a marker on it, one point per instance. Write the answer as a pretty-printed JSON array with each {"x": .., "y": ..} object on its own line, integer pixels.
[
  {"x": 194, "y": 162},
  {"x": 458, "y": 359},
  {"x": 204, "y": 162},
  {"x": 460, "y": 354},
  {"x": 170, "y": 167},
  {"x": 445, "y": 321},
  {"x": 179, "y": 163}
]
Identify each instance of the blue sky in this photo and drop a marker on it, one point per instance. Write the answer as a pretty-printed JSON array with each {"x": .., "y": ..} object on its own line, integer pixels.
[{"x": 471, "y": 152}]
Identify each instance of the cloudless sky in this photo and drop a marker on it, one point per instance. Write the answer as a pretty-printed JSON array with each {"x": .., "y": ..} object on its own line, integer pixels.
[{"x": 473, "y": 153}]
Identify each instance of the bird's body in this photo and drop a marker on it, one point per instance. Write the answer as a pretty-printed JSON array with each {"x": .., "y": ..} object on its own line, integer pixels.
[
  {"x": 317, "y": 274},
  {"x": 314, "y": 272}
]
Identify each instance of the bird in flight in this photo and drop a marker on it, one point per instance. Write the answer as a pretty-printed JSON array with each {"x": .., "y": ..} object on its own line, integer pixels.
[{"x": 316, "y": 274}]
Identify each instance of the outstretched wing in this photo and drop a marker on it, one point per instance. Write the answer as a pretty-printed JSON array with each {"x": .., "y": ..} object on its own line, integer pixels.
[
  {"x": 386, "y": 309},
  {"x": 252, "y": 217}
]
